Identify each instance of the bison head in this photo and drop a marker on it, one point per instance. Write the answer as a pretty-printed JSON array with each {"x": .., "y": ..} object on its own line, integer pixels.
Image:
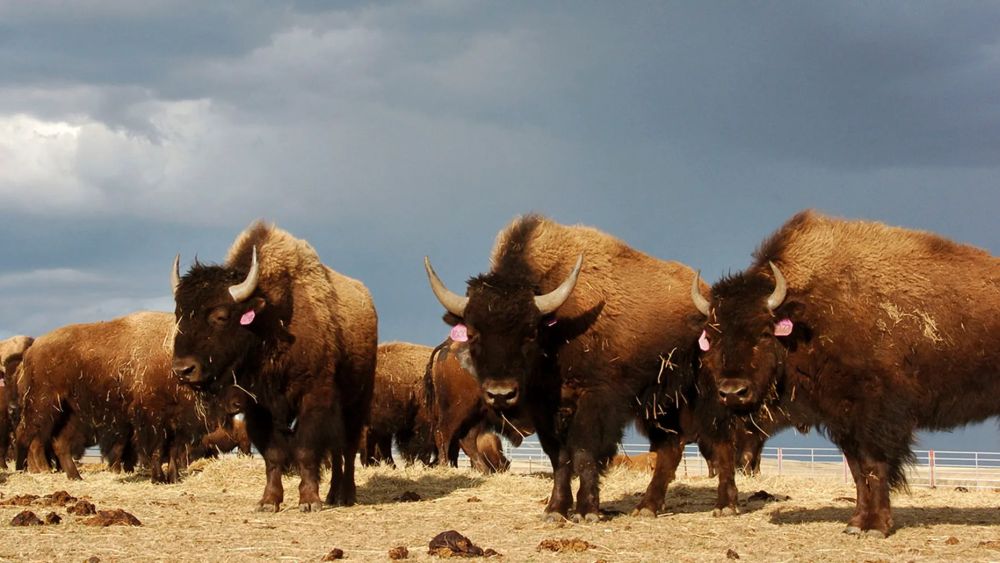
[
  {"x": 216, "y": 308},
  {"x": 749, "y": 327},
  {"x": 501, "y": 317}
]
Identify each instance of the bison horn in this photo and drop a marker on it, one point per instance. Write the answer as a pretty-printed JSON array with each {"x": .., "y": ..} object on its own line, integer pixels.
[
  {"x": 780, "y": 289},
  {"x": 242, "y": 291},
  {"x": 699, "y": 300},
  {"x": 453, "y": 302},
  {"x": 175, "y": 274},
  {"x": 554, "y": 299}
]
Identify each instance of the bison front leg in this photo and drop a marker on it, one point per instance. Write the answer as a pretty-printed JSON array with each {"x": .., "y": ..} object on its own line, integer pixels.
[
  {"x": 588, "y": 497},
  {"x": 669, "y": 450},
  {"x": 311, "y": 439},
  {"x": 561, "y": 498},
  {"x": 723, "y": 457}
]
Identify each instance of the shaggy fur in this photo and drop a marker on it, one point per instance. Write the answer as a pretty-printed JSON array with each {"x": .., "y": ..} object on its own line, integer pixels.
[
  {"x": 108, "y": 383},
  {"x": 11, "y": 352},
  {"x": 398, "y": 406},
  {"x": 308, "y": 358},
  {"x": 894, "y": 330},
  {"x": 621, "y": 347}
]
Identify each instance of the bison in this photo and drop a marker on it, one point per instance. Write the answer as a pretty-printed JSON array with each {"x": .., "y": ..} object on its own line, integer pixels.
[
  {"x": 398, "y": 406},
  {"x": 300, "y": 338},
  {"x": 866, "y": 330},
  {"x": 404, "y": 407},
  {"x": 11, "y": 352},
  {"x": 461, "y": 417},
  {"x": 108, "y": 383},
  {"x": 582, "y": 333}
]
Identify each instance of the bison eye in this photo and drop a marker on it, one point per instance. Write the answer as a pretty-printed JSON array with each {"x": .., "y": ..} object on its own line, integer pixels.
[{"x": 219, "y": 316}]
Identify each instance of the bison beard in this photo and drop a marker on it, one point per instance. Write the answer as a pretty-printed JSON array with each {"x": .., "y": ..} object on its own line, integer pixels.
[
  {"x": 300, "y": 338},
  {"x": 580, "y": 356},
  {"x": 865, "y": 330}
]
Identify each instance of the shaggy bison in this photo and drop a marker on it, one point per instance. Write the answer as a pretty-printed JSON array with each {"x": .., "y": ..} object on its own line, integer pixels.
[
  {"x": 300, "y": 338},
  {"x": 866, "y": 330},
  {"x": 404, "y": 408},
  {"x": 461, "y": 417},
  {"x": 108, "y": 383},
  {"x": 582, "y": 333},
  {"x": 398, "y": 407}
]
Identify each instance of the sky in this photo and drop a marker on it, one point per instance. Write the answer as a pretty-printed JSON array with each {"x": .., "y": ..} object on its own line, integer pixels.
[{"x": 132, "y": 130}]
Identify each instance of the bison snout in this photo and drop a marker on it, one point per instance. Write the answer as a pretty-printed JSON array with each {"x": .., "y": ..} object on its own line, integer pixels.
[
  {"x": 188, "y": 370},
  {"x": 735, "y": 392},
  {"x": 501, "y": 395}
]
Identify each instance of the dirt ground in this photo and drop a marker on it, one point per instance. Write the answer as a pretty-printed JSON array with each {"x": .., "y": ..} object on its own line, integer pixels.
[{"x": 210, "y": 517}]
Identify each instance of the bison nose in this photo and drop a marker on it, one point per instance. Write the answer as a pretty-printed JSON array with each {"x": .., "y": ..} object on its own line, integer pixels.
[
  {"x": 501, "y": 395},
  {"x": 187, "y": 369},
  {"x": 735, "y": 392}
]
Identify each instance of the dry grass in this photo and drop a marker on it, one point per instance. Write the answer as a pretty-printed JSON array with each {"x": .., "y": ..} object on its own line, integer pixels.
[{"x": 209, "y": 516}]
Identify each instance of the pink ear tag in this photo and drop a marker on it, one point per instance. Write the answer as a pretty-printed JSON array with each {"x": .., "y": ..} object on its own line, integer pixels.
[
  {"x": 783, "y": 327},
  {"x": 703, "y": 342},
  {"x": 459, "y": 333},
  {"x": 247, "y": 317}
]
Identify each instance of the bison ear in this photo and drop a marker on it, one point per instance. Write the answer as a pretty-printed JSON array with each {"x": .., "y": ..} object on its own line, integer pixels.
[
  {"x": 793, "y": 311},
  {"x": 451, "y": 319}
]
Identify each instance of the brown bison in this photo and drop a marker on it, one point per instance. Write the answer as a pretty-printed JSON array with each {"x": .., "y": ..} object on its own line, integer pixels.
[
  {"x": 11, "y": 352},
  {"x": 300, "y": 338},
  {"x": 868, "y": 331},
  {"x": 398, "y": 407},
  {"x": 403, "y": 408},
  {"x": 460, "y": 415},
  {"x": 582, "y": 333},
  {"x": 108, "y": 383}
]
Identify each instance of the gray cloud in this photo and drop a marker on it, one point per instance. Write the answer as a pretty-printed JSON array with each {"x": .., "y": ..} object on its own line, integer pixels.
[{"x": 130, "y": 131}]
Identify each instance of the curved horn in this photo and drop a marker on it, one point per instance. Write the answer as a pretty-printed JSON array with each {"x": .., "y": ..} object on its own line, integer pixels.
[
  {"x": 780, "y": 289},
  {"x": 175, "y": 274},
  {"x": 453, "y": 302},
  {"x": 699, "y": 300},
  {"x": 554, "y": 299},
  {"x": 244, "y": 290}
]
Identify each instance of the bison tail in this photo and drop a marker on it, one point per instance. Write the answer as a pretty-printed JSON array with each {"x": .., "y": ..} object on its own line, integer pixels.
[{"x": 429, "y": 374}]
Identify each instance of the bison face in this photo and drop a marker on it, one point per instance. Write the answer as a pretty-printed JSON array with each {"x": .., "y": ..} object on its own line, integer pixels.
[
  {"x": 217, "y": 312},
  {"x": 500, "y": 318},
  {"x": 748, "y": 330}
]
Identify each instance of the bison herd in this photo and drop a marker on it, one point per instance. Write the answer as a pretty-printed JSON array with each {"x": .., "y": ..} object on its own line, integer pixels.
[{"x": 865, "y": 331}]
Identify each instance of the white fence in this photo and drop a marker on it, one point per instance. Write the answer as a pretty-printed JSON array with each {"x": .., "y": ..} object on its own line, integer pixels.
[{"x": 933, "y": 468}]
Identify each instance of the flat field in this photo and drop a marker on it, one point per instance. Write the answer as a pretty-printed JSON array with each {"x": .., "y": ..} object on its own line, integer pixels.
[{"x": 209, "y": 517}]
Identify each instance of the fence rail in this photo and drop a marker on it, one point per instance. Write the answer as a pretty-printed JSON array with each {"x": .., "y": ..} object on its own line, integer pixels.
[{"x": 933, "y": 468}]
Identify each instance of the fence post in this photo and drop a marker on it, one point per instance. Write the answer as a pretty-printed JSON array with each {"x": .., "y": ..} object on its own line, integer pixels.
[
  {"x": 779, "y": 461},
  {"x": 930, "y": 461}
]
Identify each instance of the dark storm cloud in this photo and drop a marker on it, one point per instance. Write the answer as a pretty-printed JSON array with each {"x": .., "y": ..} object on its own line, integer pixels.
[{"x": 381, "y": 132}]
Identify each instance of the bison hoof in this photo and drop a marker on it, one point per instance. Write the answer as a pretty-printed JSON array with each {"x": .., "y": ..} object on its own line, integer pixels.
[
  {"x": 852, "y": 530},
  {"x": 644, "y": 513},
  {"x": 873, "y": 533},
  {"x": 268, "y": 507},
  {"x": 552, "y": 517},
  {"x": 311, "y": 506},
  {"x": 727, "y": 511}
]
